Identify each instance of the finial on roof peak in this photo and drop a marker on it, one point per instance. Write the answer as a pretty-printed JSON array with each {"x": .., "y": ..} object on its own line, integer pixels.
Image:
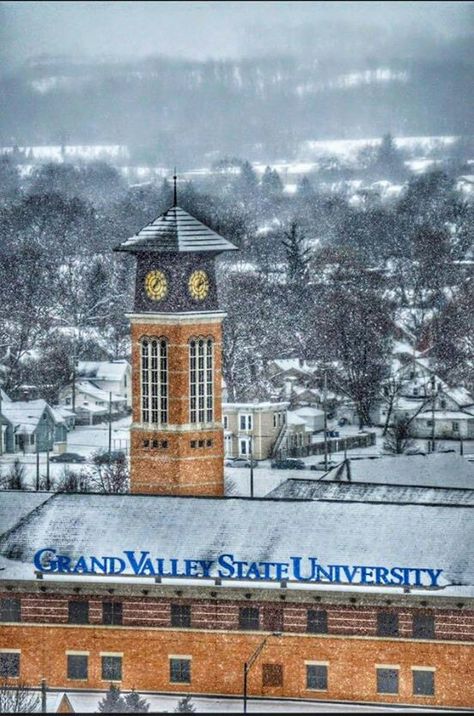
[{"x": 175, "y": 191}]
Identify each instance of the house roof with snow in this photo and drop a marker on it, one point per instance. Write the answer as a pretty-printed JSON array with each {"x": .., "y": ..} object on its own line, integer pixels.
[
  {"x": 435, "y": 470},
  {"x": 176, "y": 231},
  {"x": 88, "y": 388},
  {"x": 252, "y": 530},
  {"x": 317, "y": 489},
  {"x": 25, "y": 415},
  {"x": 5, "y": 397},
  {"x": 103, "y": 370}
]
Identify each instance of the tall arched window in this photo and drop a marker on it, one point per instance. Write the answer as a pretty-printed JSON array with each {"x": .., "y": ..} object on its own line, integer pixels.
[
  {"x": 201, "y": 377},
  {"x": 154, "y": 380}
]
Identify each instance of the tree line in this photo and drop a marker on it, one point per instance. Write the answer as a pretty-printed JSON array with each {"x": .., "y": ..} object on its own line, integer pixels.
[{"x": 317, "y": 276}]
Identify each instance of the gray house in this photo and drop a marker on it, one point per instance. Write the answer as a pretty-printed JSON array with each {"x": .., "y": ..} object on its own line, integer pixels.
[{"x": 30, "y": 425}]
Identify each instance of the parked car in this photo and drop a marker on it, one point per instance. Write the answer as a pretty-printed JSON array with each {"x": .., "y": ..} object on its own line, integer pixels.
[
  {"x": 67, "y": 457},
  {"x": 239, "y": 462},
  {"x": 103, "y": 458},
  {"x": 321, "y": 466},
  {"x": 288, "y": 464}
]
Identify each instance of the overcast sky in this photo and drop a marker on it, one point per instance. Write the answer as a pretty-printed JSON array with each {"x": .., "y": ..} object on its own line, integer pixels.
[{"x": 202, "y": 30}]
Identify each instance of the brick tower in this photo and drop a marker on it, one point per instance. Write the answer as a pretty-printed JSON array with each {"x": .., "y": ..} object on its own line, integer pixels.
[{"x": 176, "y": 437}]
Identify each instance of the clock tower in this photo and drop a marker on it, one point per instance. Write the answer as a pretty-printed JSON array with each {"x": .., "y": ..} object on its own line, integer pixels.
[{"x": 176, "y": 437}]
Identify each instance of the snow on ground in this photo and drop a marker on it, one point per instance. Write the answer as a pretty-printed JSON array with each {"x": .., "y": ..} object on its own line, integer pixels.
[
  {"x": 87, "y": 702},
  {"x": 348, "y": 149},
  {"x": 84, "y": 440}
]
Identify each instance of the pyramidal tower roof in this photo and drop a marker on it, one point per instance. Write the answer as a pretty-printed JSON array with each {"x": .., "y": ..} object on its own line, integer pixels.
[{"x": 176, "y": 231}]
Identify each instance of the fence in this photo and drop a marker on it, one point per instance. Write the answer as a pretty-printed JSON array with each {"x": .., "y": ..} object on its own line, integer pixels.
[{"x": 334, "y": 445}]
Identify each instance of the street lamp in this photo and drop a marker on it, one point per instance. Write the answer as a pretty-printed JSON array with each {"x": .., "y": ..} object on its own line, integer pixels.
[{"x": 248, "y": 664}]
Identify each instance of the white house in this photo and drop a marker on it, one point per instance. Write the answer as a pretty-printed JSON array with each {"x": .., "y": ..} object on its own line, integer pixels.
[
  {"x": 111, "y": 376},
  {"x": 92, "y": 403}
]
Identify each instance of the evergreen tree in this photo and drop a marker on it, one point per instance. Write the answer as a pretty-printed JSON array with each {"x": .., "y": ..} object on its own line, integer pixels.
[
  {"x": 297, "y": 253},
  {"x": 134, "y": 704},
  {"x": 305, "y": 189},
  {"x": 113, "y": 702},
  {"x": 246, "y": 182},
  {"x": 185, "y": 706},
  {"x": 271, "y": 184},
  {"x": 9, "y": 178}
]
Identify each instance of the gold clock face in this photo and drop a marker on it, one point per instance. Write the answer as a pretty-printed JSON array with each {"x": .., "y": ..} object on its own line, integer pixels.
[
  {"x": 156, "y": 285},
  {"x": 199, "y": 285}
]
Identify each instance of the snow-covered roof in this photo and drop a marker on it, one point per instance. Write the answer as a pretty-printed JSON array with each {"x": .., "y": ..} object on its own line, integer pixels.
[
  {"x": 252, "y": 530},
  {"x": 229, "y": 407},
  {"x": 435, "y": 470},
  {"x": 88, "y": 388},
  {"x": 445, "y": 415},
  {"x": 292, "y": 418},
  {"x": 18, "y": 504},
  {"x": 24, "y": 415},
  {"x": 302, "y": 366},
  {"x": 309, "y": 412},
  {"x": 176, "y": 231},
  {"x": 460, "y": 395},
  {"x": 62, "y": 412},
  {"x": 317, "y": 489},
  {"x": 102, "y": 370}
]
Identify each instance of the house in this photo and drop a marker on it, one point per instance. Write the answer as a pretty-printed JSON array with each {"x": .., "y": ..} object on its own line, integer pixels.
[
  {"x": 256, "y": 423},
  {"x": 32, "y": 426},
  {"x": 111, "y": 376},
  {"x": 92, "y": 403}
]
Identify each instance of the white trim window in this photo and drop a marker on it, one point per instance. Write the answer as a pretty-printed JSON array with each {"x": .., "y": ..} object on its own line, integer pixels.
[
  {"x": 244, "y": 447},
  {"x": 154, "y": 380},
  {"x": 245, "y": 421},
  {"x": 201, "y": 380}
]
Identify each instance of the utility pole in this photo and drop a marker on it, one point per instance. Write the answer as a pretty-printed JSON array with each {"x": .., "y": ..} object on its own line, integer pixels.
[
  {"x": 251, "y": 454},
  {"x": 43, "y": 696},
  {"x": 433, "y": 386},
  {"x": 37, "y": 465},
  {"x": 1, "y": 425},
  {"x": 110, "y": 425},
  {"x": 325, "y": 389},
  {"x": 48, "y": 485}
]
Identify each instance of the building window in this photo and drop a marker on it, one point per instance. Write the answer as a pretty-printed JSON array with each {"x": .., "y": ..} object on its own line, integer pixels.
[
  {"x": 226, "y": 422},
  {"x": 274, "y": 420},
  {"x": 112, "y": 612},
  {"x": 245, "y": 421},
  {"x": 429, "y": 423},
  {"x": 387, "y": 624},
  {"x": 180, "y": 615},
  {"x": 455, "y": 427},
  {"x": 272, "y": 675},
  {"x": 317, "y": 621},
  {"x": 249, "y": 618},
  {"x": 273, "y": 619},
  {"x": 180, "y": 671},
  {"x": 443, "y": 404},
  {"x": 77, "y": 666},
  {"x": 10, "y": 610},
  {"x": 317, "y": 677},
  {"x": 387, "y": 680},
  {"x": 423, "y": 682},
  {"x": 154, "y": 381},
  {"x": 9, "y": 664},
  {"x": 111, "y": 668},
  {"x": 244, "y": 446},
  {"x": 78, "y": 612},
  {"x": 423, "y": 626},
  {"x": 201, "y": 378}
]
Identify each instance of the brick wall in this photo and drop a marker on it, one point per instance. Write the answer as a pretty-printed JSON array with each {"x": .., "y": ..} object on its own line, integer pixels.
[{"x": 218, "y": 648}]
